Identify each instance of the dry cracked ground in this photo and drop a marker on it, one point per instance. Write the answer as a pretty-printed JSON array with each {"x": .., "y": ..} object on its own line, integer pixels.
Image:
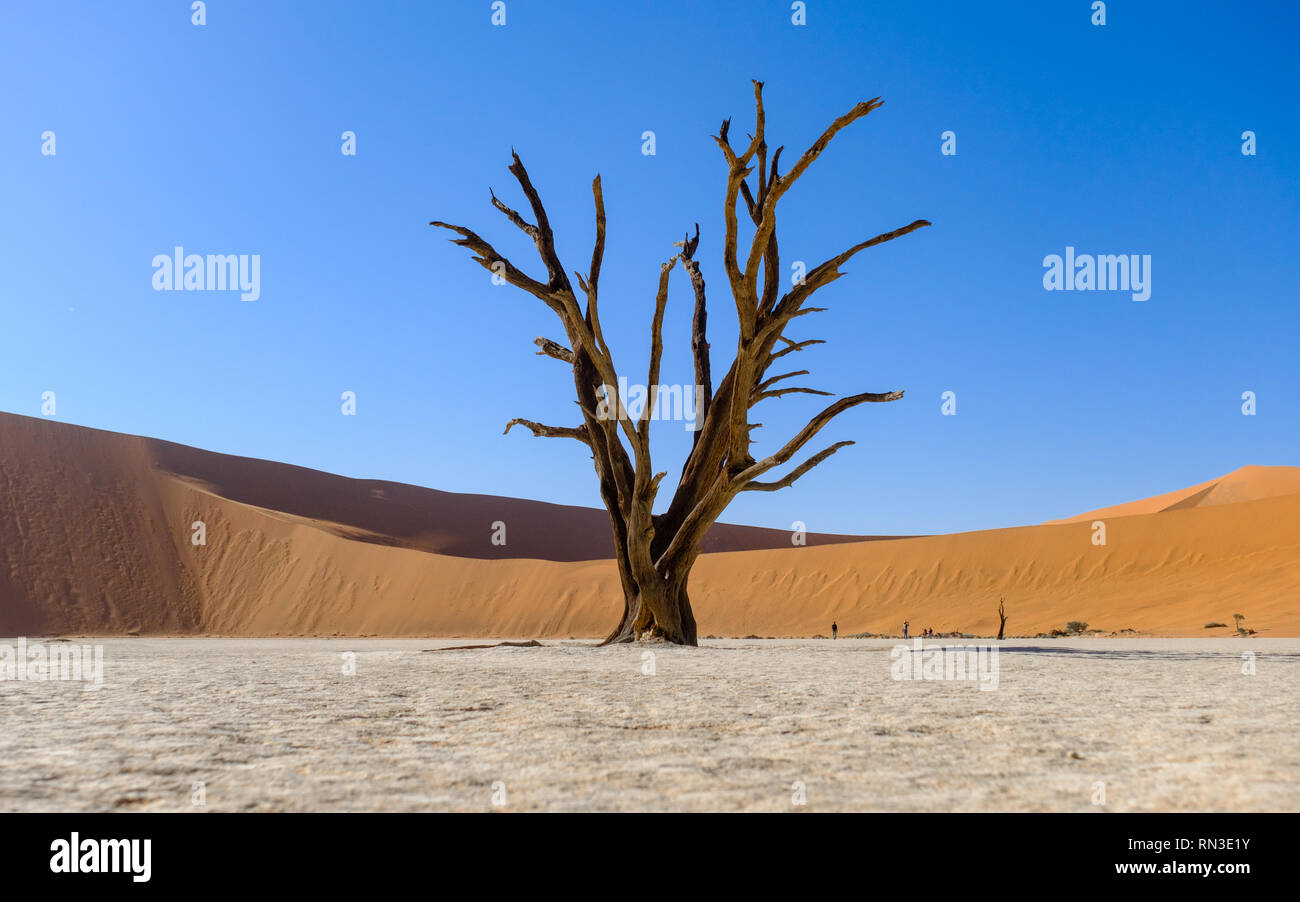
[{"x": 736, "y": 725}]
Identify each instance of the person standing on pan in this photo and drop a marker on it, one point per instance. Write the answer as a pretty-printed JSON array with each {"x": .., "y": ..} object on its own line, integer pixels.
[
  {"x": 835, "y": 630},
  {"x": 904, "y": 629}
]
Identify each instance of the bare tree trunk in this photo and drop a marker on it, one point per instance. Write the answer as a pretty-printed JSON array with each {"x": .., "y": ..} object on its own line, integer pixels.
[
  {"x": 663, "y": 612},
  {"x": 1002, "y": 614}
]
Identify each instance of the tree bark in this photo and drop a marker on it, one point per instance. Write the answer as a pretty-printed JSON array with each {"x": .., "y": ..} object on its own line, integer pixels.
[{"x": 660, "y": 611}]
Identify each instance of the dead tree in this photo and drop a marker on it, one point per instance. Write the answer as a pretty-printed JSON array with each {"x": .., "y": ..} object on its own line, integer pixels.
[
  {"x": 1002, "y": 615},
  {"x": 655, "y": 552}
]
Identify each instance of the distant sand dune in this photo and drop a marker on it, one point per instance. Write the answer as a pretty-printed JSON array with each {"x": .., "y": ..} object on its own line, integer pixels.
[
  {"x": 408, "y": 516},
  {"x": 1245, "y": 484},
  {"x": 95, "y": 538}
]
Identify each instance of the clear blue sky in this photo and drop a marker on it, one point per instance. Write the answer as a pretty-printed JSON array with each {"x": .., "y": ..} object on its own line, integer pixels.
[{"x": 226, "y": 139}]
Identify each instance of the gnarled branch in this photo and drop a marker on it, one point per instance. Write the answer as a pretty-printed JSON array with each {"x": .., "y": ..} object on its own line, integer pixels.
[
  {"x": 793, "y": 390},
  {"x": 541, "y": 430},
  {"x": 775, "y": 379},
  {"x": 656, "y": 349},
  {"x": 699, "y": 327},
  {"x": 793, "y": 346},
  {"x": 791, "y": 448},
  {"x": 553, "y": 349},
  {"x": 524, "y": 226},
  {"x": 788, "y": 479},
  {"x": 488, "y": 257}
]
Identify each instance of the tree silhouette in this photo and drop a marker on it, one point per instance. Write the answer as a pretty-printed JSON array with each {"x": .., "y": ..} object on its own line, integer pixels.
[{"x": 655, "y": 552}]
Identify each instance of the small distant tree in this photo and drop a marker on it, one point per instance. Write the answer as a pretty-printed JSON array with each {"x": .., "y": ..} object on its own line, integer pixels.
[
  {"x": 1238, "y": 619},
  {"x": 1002, "y": 616},
  {"x": 1075, "y": 627}
]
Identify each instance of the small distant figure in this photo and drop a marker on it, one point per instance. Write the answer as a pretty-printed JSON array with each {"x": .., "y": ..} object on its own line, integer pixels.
[
  {"x": 835, "y": 630},
  {"x": 905, "y": 625}
]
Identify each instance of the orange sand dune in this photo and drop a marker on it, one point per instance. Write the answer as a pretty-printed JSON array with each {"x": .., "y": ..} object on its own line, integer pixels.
[
  {"x": 95, "y": 537},
  {"x": 368, "y": 510},
  {"x": 1245, "y": 484}
]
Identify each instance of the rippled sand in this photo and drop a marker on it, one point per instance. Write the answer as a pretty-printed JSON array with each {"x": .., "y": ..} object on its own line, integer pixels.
[{"x": 275, "y": 725}]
